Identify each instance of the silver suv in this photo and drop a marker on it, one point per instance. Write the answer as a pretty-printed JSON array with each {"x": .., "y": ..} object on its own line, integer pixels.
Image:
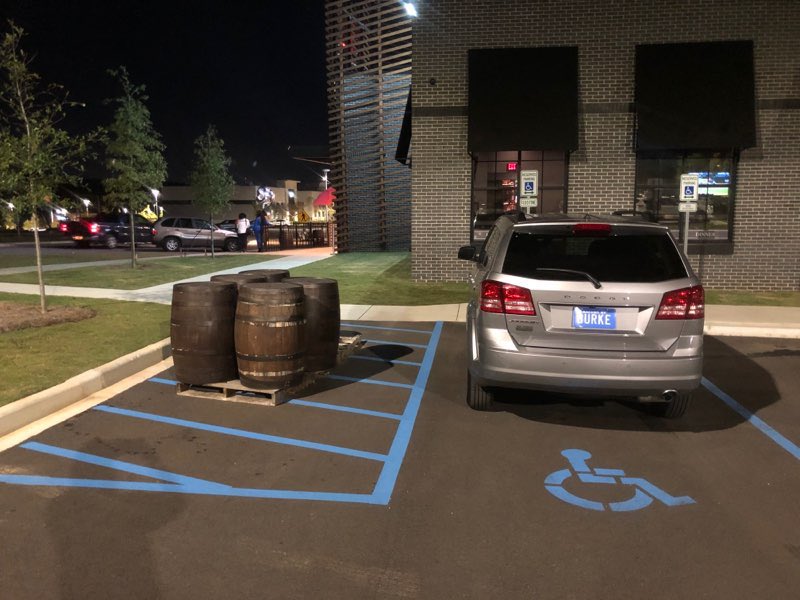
[
  {"x": 174, "y": 233},
  {"x": 589, "y": 305}
]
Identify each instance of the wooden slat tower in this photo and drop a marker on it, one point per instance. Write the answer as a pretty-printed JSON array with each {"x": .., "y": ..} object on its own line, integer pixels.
[{"x": 369, "y": 75}]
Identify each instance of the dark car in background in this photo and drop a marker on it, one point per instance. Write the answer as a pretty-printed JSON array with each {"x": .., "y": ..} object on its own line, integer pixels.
[
  {"x": 591, "y": 306},
  {"x": 107, "y": 230},
  {"x": 174, "y": 233}
]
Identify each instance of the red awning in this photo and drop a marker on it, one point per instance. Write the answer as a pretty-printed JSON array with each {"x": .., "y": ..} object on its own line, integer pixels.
[{"x": 325, "y": 198}]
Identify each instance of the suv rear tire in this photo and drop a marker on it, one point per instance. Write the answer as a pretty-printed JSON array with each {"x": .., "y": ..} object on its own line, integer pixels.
[
  {"x": 478, "y": 398},
  {"x": 111, "y": 242},
  {"x": 171, "y": 244},
  {"x": 674, "y": 408}
]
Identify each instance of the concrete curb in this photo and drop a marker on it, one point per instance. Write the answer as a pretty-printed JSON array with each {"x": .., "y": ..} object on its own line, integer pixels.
[{"x": 23, "y": 412}]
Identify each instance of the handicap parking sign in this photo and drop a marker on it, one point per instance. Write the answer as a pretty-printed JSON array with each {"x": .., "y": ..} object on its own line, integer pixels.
[
  {"x": 528, "y": 187},
  {"x": 688, "y": 191}
]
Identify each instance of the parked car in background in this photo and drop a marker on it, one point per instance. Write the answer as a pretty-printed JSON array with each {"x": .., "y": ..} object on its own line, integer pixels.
[
  {"x": 228, "y": 225},
  {"x": 174, "y": 233},
  {"x": 108, "y": 230},
  {"x": 584, "y": 305}
]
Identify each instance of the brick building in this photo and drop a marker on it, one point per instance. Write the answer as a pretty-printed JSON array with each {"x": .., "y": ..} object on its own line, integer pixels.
[{"x": 601, "y": 106}]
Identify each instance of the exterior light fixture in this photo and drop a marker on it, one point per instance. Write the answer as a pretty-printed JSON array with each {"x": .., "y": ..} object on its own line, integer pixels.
[{"x": 411, "y": 9}]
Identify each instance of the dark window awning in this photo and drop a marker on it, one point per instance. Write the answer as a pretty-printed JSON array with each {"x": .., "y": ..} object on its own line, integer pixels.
[
  {"x": 523, "y": 99},
  {"x": 403, "y": 152},
  {"x": 697, "y": 96}
]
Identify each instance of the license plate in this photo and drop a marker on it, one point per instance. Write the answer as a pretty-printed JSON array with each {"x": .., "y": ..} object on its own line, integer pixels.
[
  {"x": 77, "y": 237},
  {"x": 589, "y": 317}
]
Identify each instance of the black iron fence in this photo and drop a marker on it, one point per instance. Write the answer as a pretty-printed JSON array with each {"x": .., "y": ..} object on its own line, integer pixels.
[{"x": 297, "y": 235}]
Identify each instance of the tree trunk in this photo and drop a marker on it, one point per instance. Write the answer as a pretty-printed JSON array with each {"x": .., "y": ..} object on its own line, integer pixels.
[
  {"x": 132, "y": 237},
  {"x": 42, "y": 298}
]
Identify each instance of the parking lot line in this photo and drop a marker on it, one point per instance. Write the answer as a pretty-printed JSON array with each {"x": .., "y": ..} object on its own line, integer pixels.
[
  {"x": 243, "y": 433},
  {"x": 372, "y": 381},
  {"x": 391, "y": 468},
  {"x": 119, "y": 465},
  {"x": 348, "y": 409},
  {"x": 756, "y": 422}
]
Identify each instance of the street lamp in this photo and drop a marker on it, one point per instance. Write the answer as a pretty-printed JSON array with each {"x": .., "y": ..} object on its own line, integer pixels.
[
  {"x": 86, "y": 204},
  {"x": 325, "y": 177},
  {"x": 156, "y": 194},
  {"x": 411, "y": 9}
]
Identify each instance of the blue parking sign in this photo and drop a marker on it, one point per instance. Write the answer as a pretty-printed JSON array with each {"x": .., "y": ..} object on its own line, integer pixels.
[
  {"x": 688, "y": 191},
  {"x": 529, "y": 187}
]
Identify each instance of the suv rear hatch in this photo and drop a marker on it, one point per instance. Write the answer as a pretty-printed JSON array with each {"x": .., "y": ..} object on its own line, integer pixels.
[{"x": 597, "y": 287}]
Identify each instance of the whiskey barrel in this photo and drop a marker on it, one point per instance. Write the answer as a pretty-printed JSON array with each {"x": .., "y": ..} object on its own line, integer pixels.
[
  {"x": 240, "y": 278},
  {"x": 201, "y": 332},
  {"x": 269, "y": 334},
  {"x": 322, "y": 321},
  {"x": 272, "y": 275}
]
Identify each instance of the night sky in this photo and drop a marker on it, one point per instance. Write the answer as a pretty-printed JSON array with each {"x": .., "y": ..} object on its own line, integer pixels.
[{"x": 256, "y": 70}]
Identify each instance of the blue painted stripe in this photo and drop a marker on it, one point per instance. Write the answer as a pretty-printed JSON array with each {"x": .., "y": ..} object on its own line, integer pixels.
[
  {"x": 242, "y": 433},
  {"x": 357, "y": 325},
  {"x": 391, "y": 468},
  {"x": 143, "y": 486},
  {"x": 385, "y": 360},
  {"x": 162, "y": 380},
  {"x": 759, "y": 424},
  {"x": 347, "y": 409},
  {"x": 372, "y": 381},
  {"x": 393, "y": 343},
  {"x": 118, "y": 465}
]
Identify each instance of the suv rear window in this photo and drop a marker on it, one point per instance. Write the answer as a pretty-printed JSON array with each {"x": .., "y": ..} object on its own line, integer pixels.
[{"x": 630, "y": 257}]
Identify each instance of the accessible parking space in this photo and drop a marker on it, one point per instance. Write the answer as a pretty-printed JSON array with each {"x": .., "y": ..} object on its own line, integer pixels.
[{"x": 379, "y": 482}]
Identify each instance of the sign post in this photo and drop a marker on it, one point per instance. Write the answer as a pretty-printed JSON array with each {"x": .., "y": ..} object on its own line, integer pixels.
[
  {"x": 529, "y": 189},
  {"x": 688, "y": 204}
]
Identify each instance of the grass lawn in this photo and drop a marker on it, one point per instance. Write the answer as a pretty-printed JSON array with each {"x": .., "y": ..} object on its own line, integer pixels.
[
  {"x": 752, "y": 298},
  {"x": 382, "y": 278},
  {"x": 30, "y": 261},
  {"x": 35, "y": 359},
  {"x": 146, "y": 274}
]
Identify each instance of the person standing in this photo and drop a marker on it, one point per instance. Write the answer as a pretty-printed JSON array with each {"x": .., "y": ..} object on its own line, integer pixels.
[
  {"x": 258, "y": 231},
  {"x": 242, "y": 225}
]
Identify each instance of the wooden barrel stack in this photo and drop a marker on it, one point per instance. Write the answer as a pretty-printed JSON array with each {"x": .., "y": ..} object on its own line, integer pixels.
[{"x": 260, "y": 325}]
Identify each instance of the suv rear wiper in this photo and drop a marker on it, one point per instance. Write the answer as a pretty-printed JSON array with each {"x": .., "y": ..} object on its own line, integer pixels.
[{"x": 596, "y": 283}]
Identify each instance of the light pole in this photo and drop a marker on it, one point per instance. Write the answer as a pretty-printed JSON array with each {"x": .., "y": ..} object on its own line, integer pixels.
[
  {"x": 156, "y": 194},
  {"x": 86, "y": 204}
]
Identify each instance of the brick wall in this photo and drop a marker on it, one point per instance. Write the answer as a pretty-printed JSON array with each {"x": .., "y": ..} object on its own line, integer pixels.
[{"x": 601, "y": 172}]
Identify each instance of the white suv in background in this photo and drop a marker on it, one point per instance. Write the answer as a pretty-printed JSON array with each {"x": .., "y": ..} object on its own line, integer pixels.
[{"x": 174, "y": 233}]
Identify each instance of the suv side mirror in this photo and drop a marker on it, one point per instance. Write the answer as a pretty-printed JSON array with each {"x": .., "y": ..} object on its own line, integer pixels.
[{"x": 466, "y": 253}]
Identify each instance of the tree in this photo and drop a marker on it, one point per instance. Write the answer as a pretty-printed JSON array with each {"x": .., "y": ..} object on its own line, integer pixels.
[
  {"x": 210, "y": 179},
  {"x": 134, "y": 153},
  {"x": 36, "y": 155}
]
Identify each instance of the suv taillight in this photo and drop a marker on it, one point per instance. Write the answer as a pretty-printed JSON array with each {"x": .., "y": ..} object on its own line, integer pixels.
[
  {"x": 686, "y": 303},
  {"x": 94, "y": 228},
  {"x": 153, "y": 231},
  {"x": 505, "y": 298}
]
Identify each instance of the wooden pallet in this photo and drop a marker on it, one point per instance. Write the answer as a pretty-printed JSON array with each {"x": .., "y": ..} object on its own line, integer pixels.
[{"x": 235, "y": 391}]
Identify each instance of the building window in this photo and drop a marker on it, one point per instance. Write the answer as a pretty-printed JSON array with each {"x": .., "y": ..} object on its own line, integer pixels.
[
  {"x": 498, "y": 180},
  {"x": 657, "y": 192}
]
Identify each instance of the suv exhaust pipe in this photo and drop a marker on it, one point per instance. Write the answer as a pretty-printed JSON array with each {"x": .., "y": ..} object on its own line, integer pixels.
[{"x": 669, "y": 395}]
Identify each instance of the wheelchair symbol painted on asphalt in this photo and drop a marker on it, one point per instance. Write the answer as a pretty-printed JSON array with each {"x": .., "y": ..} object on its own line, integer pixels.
[{"x": 644, "y": 492}]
